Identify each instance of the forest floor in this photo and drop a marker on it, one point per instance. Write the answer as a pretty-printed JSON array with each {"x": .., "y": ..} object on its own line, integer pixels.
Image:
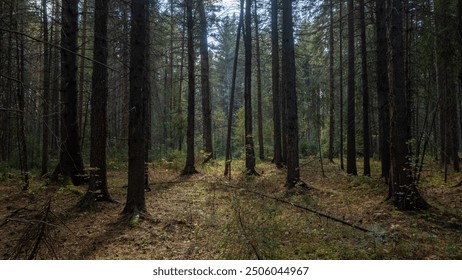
[{"x": 205, "y": 216}]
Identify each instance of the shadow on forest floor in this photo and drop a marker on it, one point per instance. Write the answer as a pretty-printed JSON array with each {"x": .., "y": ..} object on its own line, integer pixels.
[{"x": 205, "y": 216}]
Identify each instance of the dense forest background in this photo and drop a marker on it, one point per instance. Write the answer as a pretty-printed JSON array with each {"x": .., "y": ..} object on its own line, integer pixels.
[{"x": 298, "y": 99}]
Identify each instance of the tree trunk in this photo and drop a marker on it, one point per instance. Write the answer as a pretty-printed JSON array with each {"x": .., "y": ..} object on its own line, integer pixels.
[
  {"x": 228, "y": 153},
  {"x": 189, "y": 168},
  {"x": 249, "y": 146},
  {"x": 365, "y": 90},
  {"x": 147, "y": 96},
  {"x": 21, "y": 108},
  {"x": 446, "y": 56},
  {"x": 342, "y": 166},
  {"x": 289, "y": 90},
  {"x": 404, "y": 193},
  {"x": 261, "y": 148},
  {"x": 135, "y": 204},
  {"x": 70, "y": 162},
  {"x": 205, "y": 85},
  {"x": 81, "y": 93},
  {"x": 351, "y": 132},
  {"x": 46, "y": 90},
  {"x": 331, "y": 83},
  {"x": 97, "y": 189},
  {"x": 383, "y": 88},
  {"x": 277, "y": 157}
]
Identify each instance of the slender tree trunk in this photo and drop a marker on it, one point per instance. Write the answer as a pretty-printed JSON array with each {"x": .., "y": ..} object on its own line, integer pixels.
[
  {"x": 404, "y": 193},
  {"x": 228, "y": 153},
  {"x": 190, "y": 161},
  {"x": 46, "y": 90},
  {"x": 331, "y": 83},
  {"x": 180, "y": 90},
  {"x": 135, "y": 203},
  {"x": 97, "y": 189},
  {"x": 205, "y": 85},
  {"x": 249, "y": 146},
  {"x": 342, "y": 166},
  {"x": 70, "y": 162},
  {"x": 81, "y": 92},
  {"x": 21, "y": 108},
  {"x": 351, "y": 132},
  {"x": 277, "y": 157},
  {"x": 55, "y": 85},
  {"x": 365, "y": 90},
  {"x": 446, "y": 55},
  {"x": 125, "y": 73},
  {"x": 261, "y": 148},
  {"x": 459, "y": 18},
  {"x": 289, "y": 90},
  {"x": 171, "y": 60},
  {"x": 383, "y": 88},
  {"x": 147, "y": 95}
]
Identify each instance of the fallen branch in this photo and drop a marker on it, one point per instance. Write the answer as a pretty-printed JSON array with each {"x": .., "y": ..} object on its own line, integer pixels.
[
  {"x": 254, "y": 248},
  {"x": 319, "y": 213}
]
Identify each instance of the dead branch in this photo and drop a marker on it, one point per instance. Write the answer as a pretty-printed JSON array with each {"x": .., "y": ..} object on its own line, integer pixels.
[
  {"x": 254, "y": 248},
  {"x": 319, "y": 213}
]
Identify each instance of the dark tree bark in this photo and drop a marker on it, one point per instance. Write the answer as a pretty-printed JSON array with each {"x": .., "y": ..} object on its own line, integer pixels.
[
  {"x": 261, "y": 148},
  {"x": 330, "y": 153},
  {"x": 180, "y": 90},
  {"x": 81, "y": 93},
  {"x": 136, "y": 204},
  {"x": 404, "y": 193},
  {"x": 46, "y": 90},
  {"x": 277, "y": 157},
  {"x": 97, "y": 189},
  {"x": 365, "y": 91},
  {"x": 231, "y": 95},
  {"x": 289, "y": 90},
  {"x": 70, "y": 161},
  {"x": 342, "y": 166},
  {"x": 459, "y": 18},
  {"x": 351, "y": 129},
  {"x": 446, "y": 56},
  {"x": 189, "y": 168},
  {"x": 249, "y": 146},
  {"x": 383, "y": 88},
  {"x": 205, "y": 85},
  {"x": 21, "y": 109},
  {"x": 147, "y": 96},
  {"x": 55, "y": 84}
]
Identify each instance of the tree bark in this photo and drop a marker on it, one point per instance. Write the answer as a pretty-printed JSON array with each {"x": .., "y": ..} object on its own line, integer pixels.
[
  {"x": 189, "y": 168},
  {"x": 70, "y": 162},
  {"x": 249, "y": 146},
  {"x": 289, "y": 90},
  {"x": 228, "y": 153},
  {"x": 135, "y": 203},
  {"x": 277, "y": 157},
  {"x": 342, "y": 166},
  {"x": 205, "y": 85},
  {"x": 21, "y": 109},
  {"x": 46, "y": 91},
  {"x": 351, "y": 132},
  {"x": 81, "y": 93},
  {"x": 261, "y": 148},
  {"x": 330, "y": 153},
  {"x": 447, "y": 83},
  {"x": 97, "y": 189},
  {"x": 404, "y": 193},
  {"x": 365, "y": 91},
  {"x": 383, "y": 88}
]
